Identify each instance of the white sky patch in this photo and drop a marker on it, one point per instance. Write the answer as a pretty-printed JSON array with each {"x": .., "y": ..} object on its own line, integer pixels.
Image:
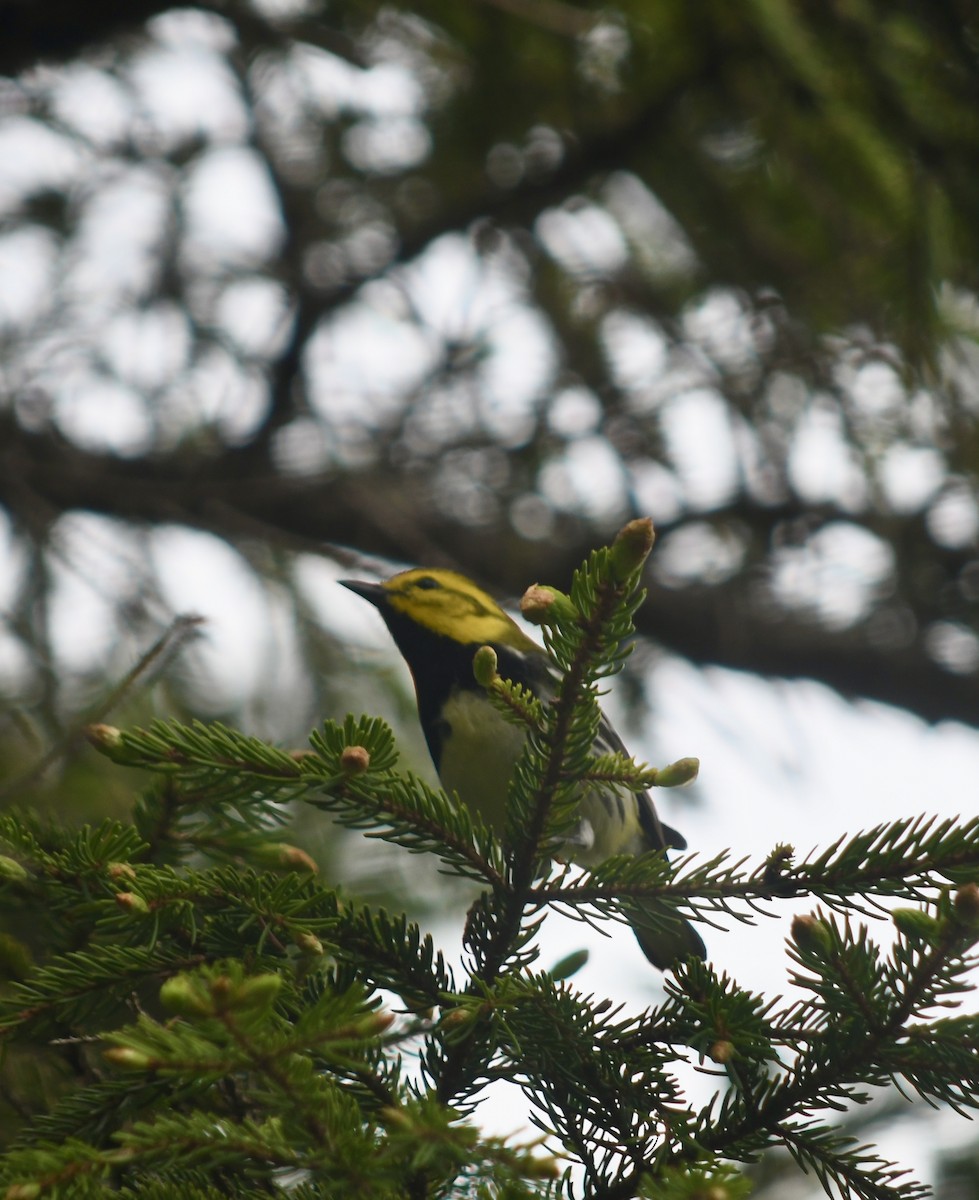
[
  {"x": 218, "y": 390},
  {"x": 515, "y": 374},
  {"x": 92, "y": 102},
  {"x": 655, "y": 238},
  {"x": 583, "y": 238},
  {"x": 657, "y": 490},
  {"x": 74, "y": 605},
  {"x": 697, "y": 431},
  {"x": 103, "y": 414},
  {"x": 28, "y": 260},
  {"x": 587, "y": 477},
  {"x": 821, "y": 466},
  {"x": 146, "y": 347},
  {"x": 877, "y": 391},
  {"x": 836, "y": 574},
  {"x": 456, "y": 292},
  {"x": 910, "y": 476},
  {"x": 696, "y": 553},
  {"x": 233, "y": 215},
  {"x": 34, "y": 158},
  {"x": 953, "y": 520},
  {"x": 720, "y": 323},
  {"x": 187, "y": 28},
  {"x": 574, "y": 411},
  {"x": 253, "y": 312},
  {"x": 385, "y": 90},
  {"x": 361, "y": 362},
  {"x": 203, "y": 575},
  {"x": 118, "y": 238},
  {"x": 954, "y": 646},
  {"x": 387, "y": 146},
  {"x": 188, "y": 92},
  {"x": 637, "y": 350},
  {"x": 531, "y": 517},
  {"x": 348, "y": 617},
  {"x": 91, "y": 574},
  {"x": 302, "y": 447},
  {"x": 282, "y": 10}
]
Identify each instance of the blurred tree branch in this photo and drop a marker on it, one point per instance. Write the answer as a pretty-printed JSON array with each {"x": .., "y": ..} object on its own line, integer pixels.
[{"x": 736, "y": 623}]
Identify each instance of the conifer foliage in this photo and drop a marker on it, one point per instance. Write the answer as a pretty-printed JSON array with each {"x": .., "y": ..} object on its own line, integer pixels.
[{"x": 203, "y": 1016}]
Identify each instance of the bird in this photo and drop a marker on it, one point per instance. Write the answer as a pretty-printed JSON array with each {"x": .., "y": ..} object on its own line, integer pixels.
[{"x": 439, "y": 619}]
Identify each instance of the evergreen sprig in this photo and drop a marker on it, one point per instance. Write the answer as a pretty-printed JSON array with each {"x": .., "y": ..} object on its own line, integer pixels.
[{"x": 204, "y": 1016}]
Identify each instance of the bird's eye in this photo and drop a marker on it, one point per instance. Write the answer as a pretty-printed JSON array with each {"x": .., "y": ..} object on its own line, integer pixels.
[{"x": 426, "y": 583}]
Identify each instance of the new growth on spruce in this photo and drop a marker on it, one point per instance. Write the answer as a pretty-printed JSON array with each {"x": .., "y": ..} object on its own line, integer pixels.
[{"x": 193, "y": 1010}]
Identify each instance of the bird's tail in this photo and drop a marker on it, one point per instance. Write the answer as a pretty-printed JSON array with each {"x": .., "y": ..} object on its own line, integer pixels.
[{"x": 665, "y": 938}]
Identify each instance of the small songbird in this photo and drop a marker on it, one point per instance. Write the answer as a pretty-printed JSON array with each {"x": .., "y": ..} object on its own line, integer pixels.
[{"x": 439, "y": 619}]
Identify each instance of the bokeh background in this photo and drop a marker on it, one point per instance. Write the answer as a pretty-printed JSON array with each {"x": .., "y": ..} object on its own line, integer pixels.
[{"x": 294, "y": 290}]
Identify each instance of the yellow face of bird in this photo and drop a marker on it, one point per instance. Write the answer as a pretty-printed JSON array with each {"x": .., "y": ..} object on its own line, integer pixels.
[{"x": 451, "y": 605}]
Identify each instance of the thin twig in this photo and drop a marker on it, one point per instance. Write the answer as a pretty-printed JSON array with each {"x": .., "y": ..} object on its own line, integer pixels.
[{"x": 169, "y": 643}]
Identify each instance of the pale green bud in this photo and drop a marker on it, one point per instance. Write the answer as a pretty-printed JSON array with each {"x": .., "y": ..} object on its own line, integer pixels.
[
  {"x": 375, "y": 1024},
  {"x": 184, "y": 995},
  {"x": 12, "y": 871},
  {"x": 126, "y": 1056},
  {"x": 484, "y": 666},
  {"x": 570, "y": 965},
  {"x": 543, "y": 605},
  {"x": 258, "y": 991},
  {"x": 684, "y": 770},
  {"x": 810, "y": 933},
  {"x": 631, "y": 548},
  {"x": 130, "y": 902},
  {"x": 105, "y": 738},
  {"x": 283, "y": 854},
  {"x": 23, "y": 1191},
  {"x": 915, "y": 924},
  {"x": 310, "y": 944}
]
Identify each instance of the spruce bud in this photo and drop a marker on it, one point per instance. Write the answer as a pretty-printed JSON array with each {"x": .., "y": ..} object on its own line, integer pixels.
[
  {"x": 130, "y": 902},
  {"x": 11, "y": 871},
  {"x": 684, "y": 770},
  {"x": 126, "y": 1056},
  {"x": 966, "y": 905},
  {"x": 184, "y": 995},
  {"x": 484, "y": 666},
  {"x": 631, "y": 548},
  {"x": 722, "y": 1051},
  {"x": 543, "y": 605},
  {"x": 105, "y": 738},
  {"x": 915, "y": 924},
  {"x": 570, "y": 965},
  {"x": 23, "y": 1191},
  {"x": 810, "y": 933},
  {"x": 258, "y": 991},
  {"x": 354, "y": 760},
  {"x": 309, "y": 944},
  {"x": 284, "y": 854}
]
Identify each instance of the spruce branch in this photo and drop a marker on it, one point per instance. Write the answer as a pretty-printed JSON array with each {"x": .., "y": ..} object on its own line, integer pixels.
[
  {"x": 909, "y": 859},
  {"x": 260, "y": 1027}
]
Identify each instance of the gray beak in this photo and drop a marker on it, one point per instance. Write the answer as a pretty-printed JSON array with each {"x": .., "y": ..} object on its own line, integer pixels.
[{"x": 372, "y": 592}]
